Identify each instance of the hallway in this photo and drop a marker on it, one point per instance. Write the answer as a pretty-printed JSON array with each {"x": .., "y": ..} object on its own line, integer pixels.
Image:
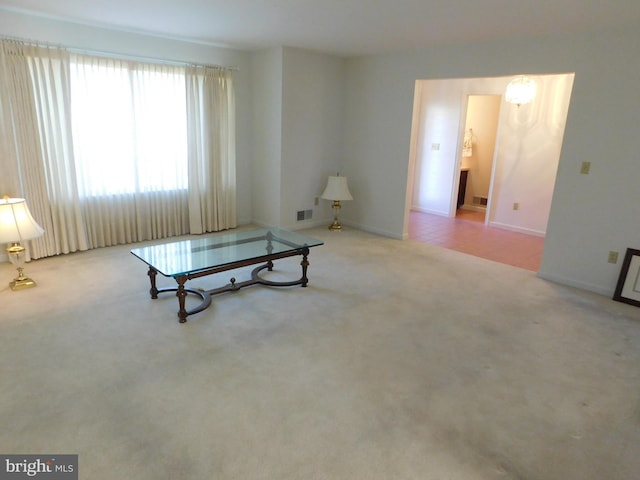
[{"x": 467, "y": 233}]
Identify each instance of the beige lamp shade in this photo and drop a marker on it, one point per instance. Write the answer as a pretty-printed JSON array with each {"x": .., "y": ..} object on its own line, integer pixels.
[
  {"x": 337, "y": 189},
  {"x": 16, "y": 222}
]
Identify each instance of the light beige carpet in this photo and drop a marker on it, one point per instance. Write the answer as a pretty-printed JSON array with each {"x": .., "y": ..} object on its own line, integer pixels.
[{"x": 399, "y": 361}]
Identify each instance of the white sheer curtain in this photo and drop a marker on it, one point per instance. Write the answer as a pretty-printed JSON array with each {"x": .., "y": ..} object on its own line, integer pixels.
[
  {"x": 34, "y": 85},
  {"x": 110, "y": 151},
  {"x": 10, "y": 178},
  {"x": 212, "y": 172},
  {"x": 129, "y": 131}
]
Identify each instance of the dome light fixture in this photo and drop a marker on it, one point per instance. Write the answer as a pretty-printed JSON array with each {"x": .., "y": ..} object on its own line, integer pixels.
[{"x": 520, "y": 90}]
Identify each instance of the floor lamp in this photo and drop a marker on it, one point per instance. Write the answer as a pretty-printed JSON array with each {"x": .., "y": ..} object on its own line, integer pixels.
[
  {"x": 16, "y": 226},
  {"x": 337, "y": 191}
]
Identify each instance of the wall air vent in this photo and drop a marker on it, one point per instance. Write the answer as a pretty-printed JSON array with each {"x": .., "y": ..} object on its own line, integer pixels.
[
  {"x": 304, "y": 215},
  {"x": 482, "y": 201}
]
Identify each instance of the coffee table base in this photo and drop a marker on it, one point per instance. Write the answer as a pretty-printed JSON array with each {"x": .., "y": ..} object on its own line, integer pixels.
[{"x": 232, "y": 286}]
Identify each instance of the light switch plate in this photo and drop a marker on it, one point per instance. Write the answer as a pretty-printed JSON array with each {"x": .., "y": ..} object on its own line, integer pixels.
[{"x": 584, "y": 169}]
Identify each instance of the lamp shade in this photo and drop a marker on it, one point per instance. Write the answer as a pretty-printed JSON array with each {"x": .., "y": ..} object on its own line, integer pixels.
[
  {"x": 16, "y": 222},
  {"x": 337, "y": 189},
  {"x": 520, "y": 90}
]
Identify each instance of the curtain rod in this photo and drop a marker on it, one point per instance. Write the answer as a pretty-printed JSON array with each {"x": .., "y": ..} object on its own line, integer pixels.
[
  {"x": 116, "y": 55},
  {"x": 30, "y": 41}
]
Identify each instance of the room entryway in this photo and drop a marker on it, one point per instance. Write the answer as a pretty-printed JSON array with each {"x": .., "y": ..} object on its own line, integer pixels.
[
  {"x": 513, "y": 185},
  {"x": 467, "y": 233}
]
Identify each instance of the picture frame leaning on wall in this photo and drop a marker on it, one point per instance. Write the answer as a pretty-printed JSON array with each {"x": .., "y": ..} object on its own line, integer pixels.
[{"x": 628, "y": 287}]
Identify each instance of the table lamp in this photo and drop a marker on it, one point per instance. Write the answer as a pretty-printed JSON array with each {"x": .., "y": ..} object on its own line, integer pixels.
[
  {"x": 16, "y": 226},
  {"x": 337, "y": 191}
]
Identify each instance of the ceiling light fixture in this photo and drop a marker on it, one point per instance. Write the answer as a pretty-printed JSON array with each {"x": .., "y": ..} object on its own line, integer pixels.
[{"x": 520, "y": 90}]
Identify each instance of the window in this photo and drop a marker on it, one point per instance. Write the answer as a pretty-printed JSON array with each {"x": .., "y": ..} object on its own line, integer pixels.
[
  {"x": 129, "y": 124},
  {"x": 114, "y": 151}
]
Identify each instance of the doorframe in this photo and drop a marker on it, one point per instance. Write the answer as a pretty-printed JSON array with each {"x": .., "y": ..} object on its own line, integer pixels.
[{"x": 461, "y": 132}]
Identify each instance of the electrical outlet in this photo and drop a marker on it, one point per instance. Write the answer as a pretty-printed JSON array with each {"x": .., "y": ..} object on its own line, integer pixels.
[
  {"x": 584, "y": 169},
  {"x": 613, "y": 257},
  {"x": 516, "y": 206}
]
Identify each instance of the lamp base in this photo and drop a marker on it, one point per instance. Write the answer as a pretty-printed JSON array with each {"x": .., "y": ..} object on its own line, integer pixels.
[
  {"x": 335, "y": 226},
  {"x": 22, "y": 283}
]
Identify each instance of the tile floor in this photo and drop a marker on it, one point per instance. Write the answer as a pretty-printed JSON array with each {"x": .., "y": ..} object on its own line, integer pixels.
[{"x": 467, "y": 233}]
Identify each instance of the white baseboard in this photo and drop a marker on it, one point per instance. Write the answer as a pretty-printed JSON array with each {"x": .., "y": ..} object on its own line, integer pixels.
[
  {"x": 302, "y": 224},
  {"x": 513, "y": 228},
  {"x": 570, "y": 282},
  {"x": 377, "y": 231},
  {"x": 432, "y": 212},
  {"x": 474, "y": 208}
]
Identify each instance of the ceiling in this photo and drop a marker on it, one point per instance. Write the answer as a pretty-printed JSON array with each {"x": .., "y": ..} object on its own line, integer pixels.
[{"x": 341, "y": 27}]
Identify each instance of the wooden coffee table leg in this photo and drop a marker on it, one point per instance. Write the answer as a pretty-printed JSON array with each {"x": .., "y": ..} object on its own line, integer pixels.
[
  {"x": 305, "y": 265},
  {"x": 182, "y": 295},
  {"x": 152, "y": 277}
]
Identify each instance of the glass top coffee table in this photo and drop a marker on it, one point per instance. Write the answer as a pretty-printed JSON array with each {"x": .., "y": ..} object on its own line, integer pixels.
[{"x": 188, "y": 259}]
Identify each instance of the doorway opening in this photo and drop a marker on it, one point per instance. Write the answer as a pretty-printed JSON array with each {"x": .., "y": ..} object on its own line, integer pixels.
[
  {"x": 478, "y": 155},
  {"x": 468, "y": 234},
  {"x": 510, "y": 153}
]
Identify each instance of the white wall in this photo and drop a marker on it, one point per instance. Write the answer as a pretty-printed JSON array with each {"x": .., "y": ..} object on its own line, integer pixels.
[
  {"x": 297, "y": 97},
  {"x": 378, "y": 114},
  {"x": 147, "y": 47},
  {"x": 312, "y": 122},
  {"x": 267, "y": 136},
  {"x": 590, "y": 214}
]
